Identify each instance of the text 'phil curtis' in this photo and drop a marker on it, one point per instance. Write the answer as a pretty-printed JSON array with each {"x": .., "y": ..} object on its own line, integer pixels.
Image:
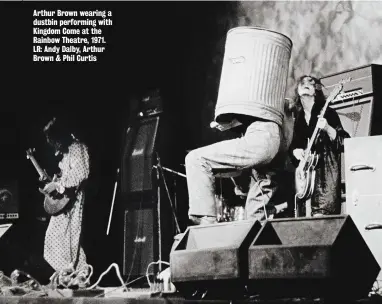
[{"x": 73, "y": 58}]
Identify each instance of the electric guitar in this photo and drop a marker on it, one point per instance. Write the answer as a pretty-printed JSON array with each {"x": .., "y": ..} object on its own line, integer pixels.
[
  {"x": 306, "y": 171},
  {"x": 54, "y": 202}
]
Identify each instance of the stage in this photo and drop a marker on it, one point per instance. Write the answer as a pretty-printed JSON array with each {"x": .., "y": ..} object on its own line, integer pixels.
[{"x": 160, "y": 300}]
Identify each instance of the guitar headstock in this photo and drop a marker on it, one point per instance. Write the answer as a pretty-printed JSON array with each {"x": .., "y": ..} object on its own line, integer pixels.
[
  {"x": 30, "y": 152},
  {"x": 338, "y": 88},
  {"x": 345, "y": 80}
]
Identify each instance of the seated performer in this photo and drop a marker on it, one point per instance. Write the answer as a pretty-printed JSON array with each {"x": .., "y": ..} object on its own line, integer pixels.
[
  {"x": 309, "y": 101},
  {"x": 262, "y": 150},
  {"x": 62, "y": 248}
]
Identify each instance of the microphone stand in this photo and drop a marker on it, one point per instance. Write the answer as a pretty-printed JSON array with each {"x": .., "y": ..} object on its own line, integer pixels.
[
  {"x": 172, "y": 171},
  {"x": 112, "y": 203},
  {"x": 160, "y": 169},
  {"x": 127, "y": 133},
  {"x": 159, "y": 219},
  {"x": 175, "y": 196}
]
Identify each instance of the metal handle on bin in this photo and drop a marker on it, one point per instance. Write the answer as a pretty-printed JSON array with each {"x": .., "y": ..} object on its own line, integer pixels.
[
  {"x": 360, "y": 167},
  {"x": 373, "y": 226}
]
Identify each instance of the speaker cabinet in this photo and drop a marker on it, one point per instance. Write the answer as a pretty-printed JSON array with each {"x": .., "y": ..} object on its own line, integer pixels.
[
  {"x": 363, "y": 170},
  {"x": 140, "y": 241},
  {"x": 147, "y": 237},
  {"x": 13, "y": 247},
  {"x": 148, "y": 223},
  {"x": 356, "y": 116},
  {"x": 139, "y": 156},
  {"x": 313, "y": 257},
  {"x": 213, "y": 258},
  {"x": 359, "y": 106},
  {"x": 9, "y": 200}
]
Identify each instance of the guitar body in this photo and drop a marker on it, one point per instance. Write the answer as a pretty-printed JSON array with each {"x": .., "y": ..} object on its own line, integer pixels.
[
  {"x": 55, "y": 202},
  {"x": 53, "y": 206},
  {"x": 305, "y": 177}
]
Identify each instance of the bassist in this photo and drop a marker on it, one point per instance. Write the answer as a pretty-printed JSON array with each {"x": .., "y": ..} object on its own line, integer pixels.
[{"x": 308, "y": 104}]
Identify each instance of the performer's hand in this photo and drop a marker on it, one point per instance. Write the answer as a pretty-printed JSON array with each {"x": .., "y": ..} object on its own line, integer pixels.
[
  {"x": 49, "y": 188},
  {"x": 239, "y": 191},
  {"x": 225, "y": 126},
  {"x": 323, "y": 124},
  {"x": 298, "y": 153},
  {"x": 42, "y": 191}
]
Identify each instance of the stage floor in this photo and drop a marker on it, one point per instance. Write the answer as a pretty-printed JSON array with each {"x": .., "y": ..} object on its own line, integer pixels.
[{"x": 167, "y": 300}]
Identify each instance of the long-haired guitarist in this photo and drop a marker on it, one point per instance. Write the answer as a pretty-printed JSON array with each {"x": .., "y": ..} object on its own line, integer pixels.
[
  {"x": 62, "y": 249},
  {"x": 309, "y": 101}
]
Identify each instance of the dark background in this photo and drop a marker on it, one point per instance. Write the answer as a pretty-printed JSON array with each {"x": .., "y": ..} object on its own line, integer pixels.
[{"x": 174, "y": 46}]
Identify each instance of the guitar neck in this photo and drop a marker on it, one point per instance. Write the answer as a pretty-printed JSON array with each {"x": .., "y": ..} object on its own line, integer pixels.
[
  {"x": 314, "y": 135},
  {"x": 333, "y": 95},
  {"x": 40, "y": 171}
]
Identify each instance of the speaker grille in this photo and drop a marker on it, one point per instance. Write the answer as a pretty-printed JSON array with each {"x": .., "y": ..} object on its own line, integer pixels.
[
  {"x": 139, "y": 247},
  {"x": 138, "y": 158}
]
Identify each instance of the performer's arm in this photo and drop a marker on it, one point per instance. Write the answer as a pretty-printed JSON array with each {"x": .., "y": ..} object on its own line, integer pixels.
[{"x": 78, "y": 168}]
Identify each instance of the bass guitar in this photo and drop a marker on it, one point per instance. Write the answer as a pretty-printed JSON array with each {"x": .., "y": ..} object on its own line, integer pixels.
[
  {"x": 54, "y": 202},
  {"x": 306, "y": 171}
]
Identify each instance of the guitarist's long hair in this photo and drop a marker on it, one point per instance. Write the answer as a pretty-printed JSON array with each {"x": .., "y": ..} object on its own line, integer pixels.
[
  {"x": 319, "y": 98},
  {"x": 57, "y": 132}
]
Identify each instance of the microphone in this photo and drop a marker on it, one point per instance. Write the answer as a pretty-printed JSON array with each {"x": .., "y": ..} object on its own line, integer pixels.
[{"x": 158, "y": 161}]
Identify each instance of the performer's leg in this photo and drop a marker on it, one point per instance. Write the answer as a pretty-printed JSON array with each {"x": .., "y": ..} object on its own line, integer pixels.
[
  {"x": 257, "y": 147},
  {"x": 260, "y": 196},
  {"x": 326, "y": 198}
]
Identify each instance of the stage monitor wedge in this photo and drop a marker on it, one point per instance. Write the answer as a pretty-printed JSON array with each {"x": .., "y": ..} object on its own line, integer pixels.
[
  {"x": 214, "y": 258},
  {"x": 321, "y": 257}
]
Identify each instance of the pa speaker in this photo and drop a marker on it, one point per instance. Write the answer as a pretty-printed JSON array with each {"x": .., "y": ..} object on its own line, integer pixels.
[
  {"x": 313, "y": 257},
  {"x": 213, "y": 258}
]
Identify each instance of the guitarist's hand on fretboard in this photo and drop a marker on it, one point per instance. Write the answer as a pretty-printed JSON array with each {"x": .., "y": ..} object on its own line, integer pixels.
[
  {"x": 323, "y": 125},
  {"x": 298, "y": 153},
  {"x": 49, "y": 188}
]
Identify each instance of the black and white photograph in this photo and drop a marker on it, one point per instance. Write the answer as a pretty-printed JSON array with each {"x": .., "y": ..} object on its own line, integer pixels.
[{"x": 191, "y": 151}]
